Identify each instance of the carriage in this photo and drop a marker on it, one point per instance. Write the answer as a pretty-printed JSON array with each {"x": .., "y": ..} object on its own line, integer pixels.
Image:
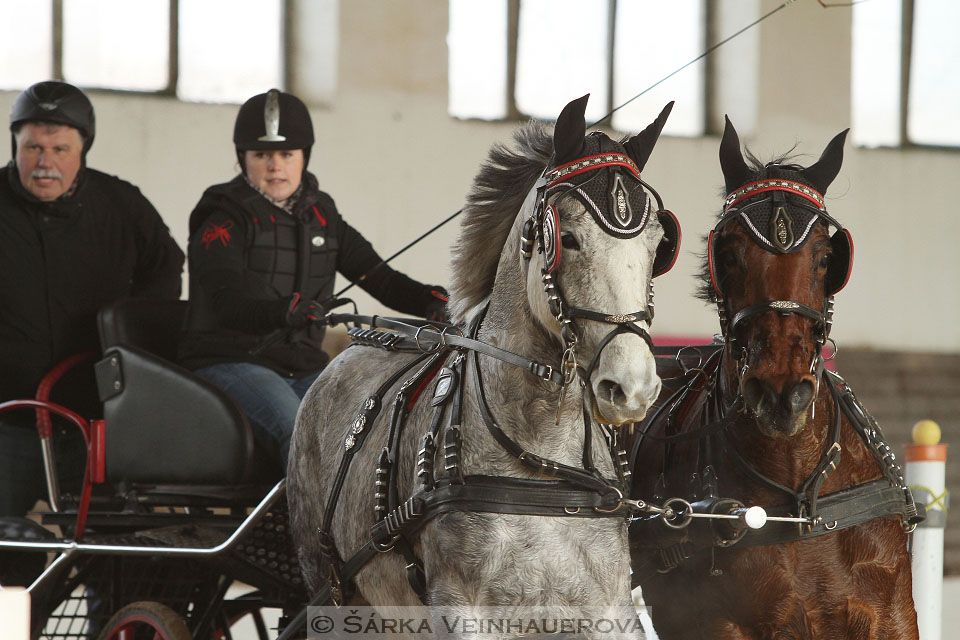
[{"x": 166, "y": 521}]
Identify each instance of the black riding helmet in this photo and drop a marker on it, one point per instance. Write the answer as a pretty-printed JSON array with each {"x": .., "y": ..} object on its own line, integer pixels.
[
  {"x": 57, "y": 103},
  {"x": 273, "y": 120}
]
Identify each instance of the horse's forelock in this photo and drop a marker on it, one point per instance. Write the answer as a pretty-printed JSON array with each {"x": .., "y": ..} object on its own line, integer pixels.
[{"x": 493, "y": 203}]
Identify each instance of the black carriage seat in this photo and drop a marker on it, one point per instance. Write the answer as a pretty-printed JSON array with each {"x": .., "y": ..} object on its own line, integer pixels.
[{"x": 164, "y": 424}]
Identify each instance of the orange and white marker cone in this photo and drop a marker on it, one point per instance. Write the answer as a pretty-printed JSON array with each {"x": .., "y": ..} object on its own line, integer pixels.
[{"x": 926, "y": 461}]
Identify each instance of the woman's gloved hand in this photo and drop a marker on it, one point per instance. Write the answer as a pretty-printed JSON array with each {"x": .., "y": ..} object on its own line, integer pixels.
[
  {"x": 299, "y": 313},
  {"x": 436, "y": 306}
]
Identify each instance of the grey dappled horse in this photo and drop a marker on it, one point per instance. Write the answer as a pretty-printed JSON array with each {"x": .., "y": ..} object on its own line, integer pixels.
[{"x": 609, "y": 232}]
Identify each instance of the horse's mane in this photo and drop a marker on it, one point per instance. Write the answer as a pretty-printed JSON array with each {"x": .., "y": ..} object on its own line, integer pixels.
[
  {"x": 779, "y": 167},
  {"x": 498, "y": 192}
]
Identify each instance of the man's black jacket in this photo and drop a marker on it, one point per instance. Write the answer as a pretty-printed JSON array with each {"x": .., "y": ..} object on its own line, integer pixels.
[{"x": 61, "y": 261}]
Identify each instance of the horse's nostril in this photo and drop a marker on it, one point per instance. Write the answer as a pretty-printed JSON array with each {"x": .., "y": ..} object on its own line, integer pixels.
[
  {"x": 800, "y": 395},
  {"x": 611, "y": 391},
  {"x": 754, "y": 394}
]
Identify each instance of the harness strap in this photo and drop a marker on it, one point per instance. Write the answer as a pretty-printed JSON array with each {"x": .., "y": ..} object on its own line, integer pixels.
[
  {"x": 531, "y": 460},
  {"x": 828, "y": 463},
  {"x": 362, "y": 425},
  {"x": 841, "y": 510},
  {"x": 398, "y": 417},
  {"x": 783, "y": 307},
  {"x": 506, "y": 495},
  {"x": 480, "y": 494},
  {"x": 433, "y": 334},
  {"x": 627, "y": 327}
]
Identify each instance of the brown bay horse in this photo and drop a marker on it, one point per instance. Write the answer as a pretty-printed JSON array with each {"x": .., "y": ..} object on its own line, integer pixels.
[{"x": 757, "y": 420}]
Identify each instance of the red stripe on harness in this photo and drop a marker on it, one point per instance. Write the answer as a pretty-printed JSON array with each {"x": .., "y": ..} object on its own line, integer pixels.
[
  {"x": 589, "y": 163},
  {"x": 316, "y": 212},
  {"x": 774, "y": 184},
  {"x": 423, "y": 385}
]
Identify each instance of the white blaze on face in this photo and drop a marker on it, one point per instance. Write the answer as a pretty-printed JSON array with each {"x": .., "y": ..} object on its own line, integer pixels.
[
  {"x": 611, "y": 276},
  {"x": 625, "y": 382}
]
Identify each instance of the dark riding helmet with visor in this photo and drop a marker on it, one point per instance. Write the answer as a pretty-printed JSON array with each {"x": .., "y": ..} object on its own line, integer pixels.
[
  {"x": 273, "y": 120},
  {"x": 55, "y": 103}
]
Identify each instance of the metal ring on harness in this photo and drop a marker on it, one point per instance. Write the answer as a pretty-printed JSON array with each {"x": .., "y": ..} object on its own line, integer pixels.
[
  {"x": 679, "y": 360},
  {"x": 616, "y": 508},
  {"x": 416, "y": 339},
  {"x": 836, "y": 349},
  {"x": 685, "y": 512},
  {"x": 443, "y": 334}
]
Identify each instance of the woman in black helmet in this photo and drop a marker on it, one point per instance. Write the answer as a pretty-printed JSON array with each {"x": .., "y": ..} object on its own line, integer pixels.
[{"x": 264, "y": 250}]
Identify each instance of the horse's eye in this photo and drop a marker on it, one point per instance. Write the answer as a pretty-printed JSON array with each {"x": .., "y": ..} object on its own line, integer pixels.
[
  {"x": 727, "y": 260},
  {"x": 569, "y": 241},
  {"x": 825, "y": 261}
]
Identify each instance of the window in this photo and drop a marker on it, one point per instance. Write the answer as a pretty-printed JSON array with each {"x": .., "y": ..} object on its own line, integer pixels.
[
  {"x": 562, "y": 53},
  {"x": 904, "y": 86},
  {"x": 200, "y": 50},
  {"x": 530, "y": 57},
  {"x": 229, "y": 49},
  {"x": 116, "y": 44},
  {"x": 26, "y": 42}
]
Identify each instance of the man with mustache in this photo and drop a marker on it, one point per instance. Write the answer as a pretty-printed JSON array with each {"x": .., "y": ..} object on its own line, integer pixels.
[{"x": 72, "y": 240}]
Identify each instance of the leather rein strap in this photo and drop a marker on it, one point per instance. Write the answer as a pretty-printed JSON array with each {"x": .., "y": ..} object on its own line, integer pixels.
[{"x": 433, "y": 335}]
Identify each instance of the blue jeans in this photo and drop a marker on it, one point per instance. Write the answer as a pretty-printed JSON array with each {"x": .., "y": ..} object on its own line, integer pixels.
[{"x": 269, "y": 400}]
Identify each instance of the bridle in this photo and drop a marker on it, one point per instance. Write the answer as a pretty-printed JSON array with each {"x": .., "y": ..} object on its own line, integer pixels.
[
  {"x": 780, "y": 215},
  {"x": 783, "y": 234},
  {"x": 542, "y": 231}
]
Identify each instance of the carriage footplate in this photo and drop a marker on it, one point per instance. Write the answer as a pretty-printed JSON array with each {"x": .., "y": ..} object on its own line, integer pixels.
[
  {"x": 264, "y": 557},
  {"x": 183, "y": 536},
  {"x": 268, "y": 553}
]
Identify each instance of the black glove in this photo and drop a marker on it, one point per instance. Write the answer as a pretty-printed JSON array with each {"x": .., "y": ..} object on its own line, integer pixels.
[
  {"x": 299, "y": 313},
  {"x": 436, "y": 306}
]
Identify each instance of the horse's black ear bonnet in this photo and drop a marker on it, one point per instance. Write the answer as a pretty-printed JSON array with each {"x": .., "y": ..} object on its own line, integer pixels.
[
  {"x": 605, "y": 178},
  {"x": 780, "y": 212}
]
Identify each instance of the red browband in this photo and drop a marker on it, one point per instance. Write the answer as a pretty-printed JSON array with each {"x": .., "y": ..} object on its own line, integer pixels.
[
  {"x": 590, "y": 163},
  {"x": 760, "y": 186}
]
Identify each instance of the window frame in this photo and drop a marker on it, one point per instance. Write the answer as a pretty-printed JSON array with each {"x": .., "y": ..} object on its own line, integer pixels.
[{"x": 907, "y": 14}]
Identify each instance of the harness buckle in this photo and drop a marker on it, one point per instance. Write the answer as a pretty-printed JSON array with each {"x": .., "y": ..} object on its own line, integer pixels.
[{"x": 336, "y": 587}]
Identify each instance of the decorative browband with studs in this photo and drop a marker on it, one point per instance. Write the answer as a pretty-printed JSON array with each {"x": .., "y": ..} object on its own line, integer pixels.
[
  {"x": 564, "y": 171},
  {"x": 761, "y": 186}
]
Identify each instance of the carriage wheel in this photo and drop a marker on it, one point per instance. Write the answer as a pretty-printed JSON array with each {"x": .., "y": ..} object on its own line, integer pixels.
[
  {"x": 145, "y": 621},
  {"x": 234, "y": 611}
]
